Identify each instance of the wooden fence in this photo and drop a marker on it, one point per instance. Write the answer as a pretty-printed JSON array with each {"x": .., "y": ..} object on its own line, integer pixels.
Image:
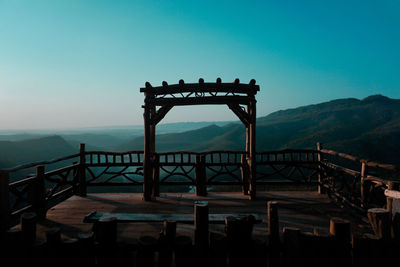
[
  {"x": 235, "y": 247},
  {"x": 354, "y": 182}
]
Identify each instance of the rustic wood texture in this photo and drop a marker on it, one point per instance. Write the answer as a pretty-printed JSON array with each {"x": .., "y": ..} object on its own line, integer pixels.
[
  {"x": 380, "y": 222},
  {"x": 304, "y": 210}
]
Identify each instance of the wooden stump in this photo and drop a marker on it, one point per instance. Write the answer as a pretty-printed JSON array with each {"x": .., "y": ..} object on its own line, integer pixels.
[
  {"x": 273, "y": 234},
  {"x": 166, "y": 242},
  {"x": 291, "y": 245},
  {"x": 183, "y": 251},
  {"x": 28, "y": 227},
  {"x": 145, "y": 255},
  {"x": 341, "y": 230},
  {"x": 86, "y": 249},
  {"x": 239, "y": 236},
  {"x": 201, "y": 235},
  {"x": 380, "y": 222}
]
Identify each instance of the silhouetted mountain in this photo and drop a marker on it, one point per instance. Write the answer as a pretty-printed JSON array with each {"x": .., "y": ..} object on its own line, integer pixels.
[
  {"x": 367, "y": 128},
  {"x": 19, "y": 152}
]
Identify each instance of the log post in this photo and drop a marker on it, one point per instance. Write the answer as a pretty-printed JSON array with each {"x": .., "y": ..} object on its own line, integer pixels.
[
  {"x": 147, "y": 162},
  {"x": 239, "y": 236},
  {"x": 380, "y": 222},
  {"x": 183, "y": 251},
  {"x": 156, "y": 175},
  {"x": 218, "y": 249},
  {"x": 273, "y": 221},
  {"x": 4, "y": 201},
  {"x": 166, "y": 243},
  {"x": 39, "y": 194},
  {"x": 86, "y": 249},
  {"x": 364, "y": 186},
  {"x": 244, "y": 171},
  {"x": 200, "y": 175},
  {"x": 201, "y": 239},
  {"x": 321, "y": 189},
  {"x": 106, "y": 235},
  {"x": 292, "y": 247},
  {"x": 145, "y": 254},
  {"x": 252, "y": 149},
  {"x": 273, "y": 233},
  {"x": 28, "y": 228},
  {"x": 341, "y": 230},
  {"x": 82, "y": 171},
  {"x": 53, "y": 246}
]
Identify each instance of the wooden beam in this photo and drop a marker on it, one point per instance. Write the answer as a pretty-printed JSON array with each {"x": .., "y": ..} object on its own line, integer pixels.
[
  {"x": 237, "y": 88},
  {"x": 206, "y": 100},
  {"x": 242, "y": 115},
  {"x": 160, "y": 114}
]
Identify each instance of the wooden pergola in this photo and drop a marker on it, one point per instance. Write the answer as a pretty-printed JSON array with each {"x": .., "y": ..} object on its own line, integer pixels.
[{"x": 239, "y": 97}]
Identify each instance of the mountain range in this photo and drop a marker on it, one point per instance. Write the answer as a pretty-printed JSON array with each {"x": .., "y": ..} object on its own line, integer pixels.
[{"x": 367, "y": 128}]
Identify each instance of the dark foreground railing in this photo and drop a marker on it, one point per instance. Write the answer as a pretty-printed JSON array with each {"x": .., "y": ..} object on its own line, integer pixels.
[
  {"x": 352, "y": 181},
  {"x": 234, "y": 247}
]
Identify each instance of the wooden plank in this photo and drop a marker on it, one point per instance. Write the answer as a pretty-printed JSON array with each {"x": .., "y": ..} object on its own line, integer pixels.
[
  {"x": 206, "y": 100},
  {"x": 392, "y": 193},
  {"x": 160, "y": 217},
  {"x": 203, "y": 87}
]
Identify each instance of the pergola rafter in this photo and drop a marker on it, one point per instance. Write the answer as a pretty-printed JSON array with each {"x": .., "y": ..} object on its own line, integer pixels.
[{"x": 240, "y": 98}]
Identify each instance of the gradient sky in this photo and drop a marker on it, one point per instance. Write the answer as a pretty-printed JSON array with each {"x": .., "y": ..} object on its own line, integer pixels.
[{"x": 80, "y": 63}]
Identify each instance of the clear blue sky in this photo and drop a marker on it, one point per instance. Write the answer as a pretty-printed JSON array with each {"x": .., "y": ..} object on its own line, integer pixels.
[{"x": 81, "y": 63}]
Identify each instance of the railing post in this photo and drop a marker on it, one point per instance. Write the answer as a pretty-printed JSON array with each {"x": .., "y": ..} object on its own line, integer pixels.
[
  {"x": 201, "y": 234},
  {"x": 364, "y": 185},
  {"x": 39, "y": 194},
  {"x": 82, "y": 171},
  {"x": 321, "y": 189},
  {"x": 156, "y": 175},
  {"x": 244, "y": 171},
  {"x": 200, "y": 175},
  {"x": 5, "y": 201}
]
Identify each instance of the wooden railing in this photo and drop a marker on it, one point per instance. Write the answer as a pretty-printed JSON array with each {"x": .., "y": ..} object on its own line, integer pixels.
[{"x": 355, "y": 182}]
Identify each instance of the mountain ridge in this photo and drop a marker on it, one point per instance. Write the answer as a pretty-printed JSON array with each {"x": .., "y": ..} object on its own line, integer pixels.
[{"x": 368, "y": 128}]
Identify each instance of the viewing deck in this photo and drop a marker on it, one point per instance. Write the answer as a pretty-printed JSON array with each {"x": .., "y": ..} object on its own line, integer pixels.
[{"x": 306, "y": 210}]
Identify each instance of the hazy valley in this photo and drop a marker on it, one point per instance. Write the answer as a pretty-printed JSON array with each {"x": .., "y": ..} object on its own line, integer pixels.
[{"x": 368, "y": 128}]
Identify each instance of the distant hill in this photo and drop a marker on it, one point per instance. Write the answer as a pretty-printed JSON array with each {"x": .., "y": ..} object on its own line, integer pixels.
[
  {"x": 45, "y": 148},
  {"x": 367, "y": 128}
]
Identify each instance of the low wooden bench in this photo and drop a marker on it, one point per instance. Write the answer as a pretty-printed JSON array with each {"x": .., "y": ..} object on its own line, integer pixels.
[{"x": 160, "y": 217}]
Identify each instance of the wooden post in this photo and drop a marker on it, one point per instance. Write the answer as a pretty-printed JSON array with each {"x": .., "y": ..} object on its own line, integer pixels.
[
  {"x": 239, "y": 236},
  {"x": 364, "y": 186},
  {"x": 86, "y": 249},
  {"x": 82, "y": 171},
  {"x": 273, "y": 221},
  {"x": 28, "y": 228},
  {"x": 4, "y": 201},
  {"x": 156, "y": 175},
  {"x": 147, "y": 162},
  {"x": 321, "y": 189},
  {"x": 218, "y": 249},
  {"x": 380, "y": 222},
  {"x": 145, "y": 255},
  {"x": 201, "y": 239},
  {"x": 106, "y": 235},
  {"x": 166, "y": 243},
  {"x": 106, "y": 230},
  {"x": 252, "y": 149},
  {"x": 39, "y": 194},
  {"x": 292, "y": 247},
  {"x": 183, "y": 251},
  {"x": 244, "y": 171},
  {"x": 273, "y": 233},
  {"x": 200, "y": 175},
  {"x": 341, "y": 230}
]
